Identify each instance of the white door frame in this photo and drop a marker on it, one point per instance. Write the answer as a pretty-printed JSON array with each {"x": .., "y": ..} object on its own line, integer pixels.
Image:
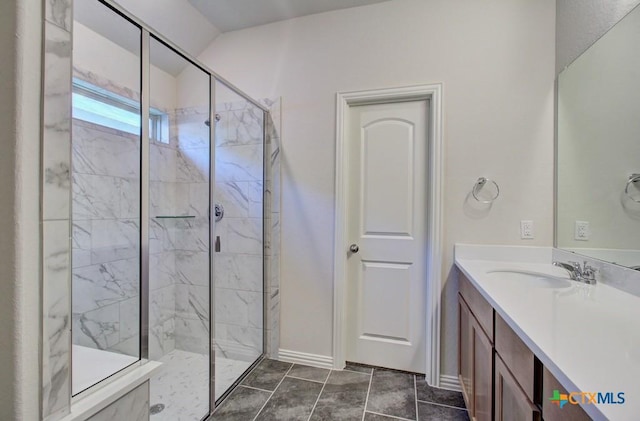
[{"x": 345, "y": 100}]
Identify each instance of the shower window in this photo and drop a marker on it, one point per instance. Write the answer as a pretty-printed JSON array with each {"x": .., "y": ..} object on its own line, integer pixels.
[{"x": 99, "y": 106}]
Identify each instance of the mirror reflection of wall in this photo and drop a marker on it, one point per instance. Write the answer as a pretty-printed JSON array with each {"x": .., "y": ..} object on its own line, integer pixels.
[{"x": 599, "y": 148}]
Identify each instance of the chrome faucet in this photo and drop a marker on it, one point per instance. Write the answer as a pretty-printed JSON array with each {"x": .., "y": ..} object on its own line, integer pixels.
[{"x": 586, "y": 273}]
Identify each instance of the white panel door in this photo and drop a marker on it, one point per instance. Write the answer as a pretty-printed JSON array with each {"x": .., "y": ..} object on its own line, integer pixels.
[{"x": 386, "y": 221}]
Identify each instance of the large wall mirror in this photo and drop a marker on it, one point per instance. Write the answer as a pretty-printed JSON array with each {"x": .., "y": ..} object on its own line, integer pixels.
[{"x": 598, "y": 148}]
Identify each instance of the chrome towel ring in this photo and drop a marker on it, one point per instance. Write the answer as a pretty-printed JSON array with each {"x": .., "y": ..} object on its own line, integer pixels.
[
  {"x": 633, "y": 178},
  {"x": 480, "y": 184}
]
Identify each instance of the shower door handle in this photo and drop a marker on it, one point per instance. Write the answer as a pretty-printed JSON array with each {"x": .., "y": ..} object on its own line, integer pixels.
[{"x": 217, "y": 244}]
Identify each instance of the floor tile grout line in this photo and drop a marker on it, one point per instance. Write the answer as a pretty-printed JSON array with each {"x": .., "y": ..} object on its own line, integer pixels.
[
  {"x": 255, "y": 388},
  {"x": 415, "y": 391},
  {"x": 319, "y": 394},
  {"x": 306, "y": 380},
  {"x": 274, "y": 391},
  {"x": 366, "y": 401},
  {"x": 445, "y": 405},
  {"x": 388, "y": 416}
]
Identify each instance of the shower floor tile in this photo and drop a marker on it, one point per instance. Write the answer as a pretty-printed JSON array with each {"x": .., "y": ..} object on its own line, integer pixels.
[{"x": 183, "y": 383}]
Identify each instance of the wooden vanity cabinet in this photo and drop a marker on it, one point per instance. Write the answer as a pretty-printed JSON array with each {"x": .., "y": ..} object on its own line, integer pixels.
[
  {"x": 496, "y": 369},
  {"x": 501, "y": 378},
  {"x": 512, "y": 402},
  {"x": 475, "y": 359}
]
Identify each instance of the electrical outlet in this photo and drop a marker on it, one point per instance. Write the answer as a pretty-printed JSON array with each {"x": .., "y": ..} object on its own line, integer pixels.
[
  {"x": 526, "y": 230},
  {"x": 582, "y": 231}
]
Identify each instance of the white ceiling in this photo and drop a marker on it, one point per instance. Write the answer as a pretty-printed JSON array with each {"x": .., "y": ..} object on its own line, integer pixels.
[
  {"x": 231, "y": 15},
  {"x": 194, "y": 24}
]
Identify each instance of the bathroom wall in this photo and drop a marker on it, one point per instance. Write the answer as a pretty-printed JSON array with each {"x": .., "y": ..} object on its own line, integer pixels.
[
  {"x": 21, "y": 48},
  {"x": 579, "y": 23},
  {"x": 496, "y": 61}
]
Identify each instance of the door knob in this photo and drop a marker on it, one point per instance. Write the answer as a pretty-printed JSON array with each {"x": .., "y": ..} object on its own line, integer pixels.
[{"x": 353, "y": 248}]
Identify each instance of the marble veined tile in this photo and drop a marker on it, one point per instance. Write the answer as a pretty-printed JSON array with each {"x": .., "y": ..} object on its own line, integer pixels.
[
  {"x": 162, "y": 306},
  {"x": 134, "y": 406},
  {"x": 95, "y": 197},
  {"x": 242, "y": 308},
  {"x": 238, "y": 271},
  {"x": 130, "y": 319},
  {"x": 115, "y": 232},
  {"x": 192, "y": 302},
  {"x": 192, "y": 267},
  {"x": 244, "y": 127},
  {"x": 81, "y": 235},
  {"x": 198, "y": 200},
  {"x": 57, "y": 123},
  {"x": 238, "y": 342},
  {"x": 163, "y": 161},
  {"x": 59, "y": 12},
  {"x": 192, "y": 132},
  {"x": 256, "y": 199},
  {"x": 193, "y": 165},
  {"x": 239, "y": 163},
  {"x": 99, "y": 329},
  {"x": 182, "y": 387},
  {"x": 100, "y": 285},
  {"x": 191, "y": 234},
  {"x": 234, "y": 197},
  {"x": 57, "y": 321},
  {"x": 100, "y": 151},
  {"x": 162, "y": 270},
  {"x": 244, "y": 235}
]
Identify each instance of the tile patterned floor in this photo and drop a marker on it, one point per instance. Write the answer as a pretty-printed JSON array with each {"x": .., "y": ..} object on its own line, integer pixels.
[
  {"x": 282, "y": 391},
  {"x": 182, "y": 385}
]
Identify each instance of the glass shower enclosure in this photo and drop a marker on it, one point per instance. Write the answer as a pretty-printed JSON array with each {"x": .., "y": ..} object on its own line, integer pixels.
[{"x": 168, "y": 216}]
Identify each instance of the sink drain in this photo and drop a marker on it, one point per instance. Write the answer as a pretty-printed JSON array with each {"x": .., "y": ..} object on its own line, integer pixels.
[{"x": 156, "y": 409}]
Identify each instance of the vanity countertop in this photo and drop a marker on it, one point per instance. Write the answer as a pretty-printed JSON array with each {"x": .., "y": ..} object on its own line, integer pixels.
[{"x": 586, "y": 335}]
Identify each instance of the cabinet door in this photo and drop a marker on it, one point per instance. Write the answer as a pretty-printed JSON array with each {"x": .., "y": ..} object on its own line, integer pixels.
[
  {"x": 482, "y": 373},
  {"x": 465, "y": 353},
  {"x": 511, "y": 401},
  {"x": 553, "y": 412}
]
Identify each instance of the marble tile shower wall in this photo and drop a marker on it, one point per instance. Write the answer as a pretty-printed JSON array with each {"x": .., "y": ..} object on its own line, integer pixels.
[
  {"x": 192, "y": 320},
  {"x": 239, "y": 267},
  {"x": 105, "y": 237},
  {"x": 56, "y": 213},
  {"x": 272, "y": 219}
]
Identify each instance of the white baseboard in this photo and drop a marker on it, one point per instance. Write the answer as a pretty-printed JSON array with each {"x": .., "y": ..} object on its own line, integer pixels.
[
  {"x": 314, "y": 360},
  {"x": 450, "y": 383}
]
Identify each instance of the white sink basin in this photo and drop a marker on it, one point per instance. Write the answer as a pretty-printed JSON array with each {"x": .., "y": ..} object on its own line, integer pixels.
[{"x": 534, "y": 279}]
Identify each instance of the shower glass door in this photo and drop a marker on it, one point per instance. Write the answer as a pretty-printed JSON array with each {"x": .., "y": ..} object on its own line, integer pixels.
[
  {"x": 239, "y": 265},
  {"x": 179, "y": 236},
  {"x": 106, "y": 188}
]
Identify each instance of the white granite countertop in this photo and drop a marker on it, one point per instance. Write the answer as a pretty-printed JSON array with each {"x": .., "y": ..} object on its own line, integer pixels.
[{"x": 587, "y": 336}]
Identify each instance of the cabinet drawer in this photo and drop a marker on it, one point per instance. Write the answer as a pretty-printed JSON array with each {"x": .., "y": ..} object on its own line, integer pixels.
[
  {"x": 511, "y": 401},
  {"x": 480, "y": 308},
  {"x": 553, "y": 412},
  {"x": 516, "y": 355}
]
